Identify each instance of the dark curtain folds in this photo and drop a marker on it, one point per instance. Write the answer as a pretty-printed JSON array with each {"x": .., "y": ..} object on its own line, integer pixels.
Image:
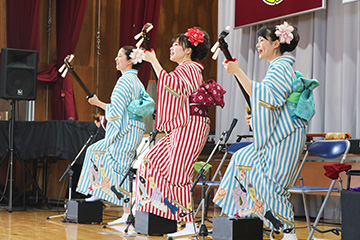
[
  {"x": 48, "y": 75},
  {"x": 133, "y": 16},
  {"x": 23, "y": 24},
  {"x": 69, "y": 18}
]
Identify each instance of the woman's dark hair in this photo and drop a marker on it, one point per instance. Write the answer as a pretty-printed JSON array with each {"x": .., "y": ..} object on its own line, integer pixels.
[
  {"x": 127, "y": 51},
  {"x": 269, "y": 34},
  {"x": 198, "y": 52}
]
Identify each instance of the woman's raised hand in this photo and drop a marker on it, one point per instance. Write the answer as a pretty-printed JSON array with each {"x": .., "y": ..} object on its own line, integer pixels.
[
  {"x": 93, "y": 100},
  {"x": 150, "y": 55},
  {"x": 231, "y": 66}
]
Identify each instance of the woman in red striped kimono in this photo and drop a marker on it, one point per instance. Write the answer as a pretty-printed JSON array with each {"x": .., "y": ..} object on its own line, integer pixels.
[{"x": 164, "y": 178}]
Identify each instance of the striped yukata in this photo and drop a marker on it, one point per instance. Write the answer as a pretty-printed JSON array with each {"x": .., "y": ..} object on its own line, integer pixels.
[
  {"x": 107, "y": 160},
  {"x": 256, "y": 181},
  {"x": 164, "y": 179}
]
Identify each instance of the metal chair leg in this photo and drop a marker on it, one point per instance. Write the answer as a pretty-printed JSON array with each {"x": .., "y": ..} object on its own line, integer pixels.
[
  {"x": 307, "y": 216},
  {"x": 321, "y": 210}
]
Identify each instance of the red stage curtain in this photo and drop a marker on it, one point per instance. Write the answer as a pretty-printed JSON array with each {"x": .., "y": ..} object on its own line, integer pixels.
[
  {"x": 23, "y": 24},
  {"x": 69, "y": 18},
  {"x": 48, "y": 75},
  {"x": 133, "y": 16}
]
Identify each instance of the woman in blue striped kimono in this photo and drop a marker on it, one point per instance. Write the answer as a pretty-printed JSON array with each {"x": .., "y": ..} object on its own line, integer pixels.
[
  {"x": 107, "y": 160},
  {"x": 259, "y": 175}
]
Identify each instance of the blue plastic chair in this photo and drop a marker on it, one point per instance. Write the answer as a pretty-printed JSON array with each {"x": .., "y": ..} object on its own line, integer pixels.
[
  {"x": 325, "y": 149},
  {"x": 233, "y": 148}
]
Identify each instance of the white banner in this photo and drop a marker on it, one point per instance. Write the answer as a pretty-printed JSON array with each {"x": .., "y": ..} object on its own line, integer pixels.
[{"x": 349, "y": 1}]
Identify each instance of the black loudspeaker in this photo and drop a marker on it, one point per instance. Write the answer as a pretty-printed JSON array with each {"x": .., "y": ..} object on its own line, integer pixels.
[
  {"x": 240, "y": 229},
  {"x": 350, "y": 205},
  {"x": 153, "y": 225},
  {"x": 80, "y": 211},
  {"x": 18, "y": 75}
]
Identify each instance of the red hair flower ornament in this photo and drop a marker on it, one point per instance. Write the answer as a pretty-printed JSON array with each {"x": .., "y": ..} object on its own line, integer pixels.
[
  {"x": 284, "y": 33},
  {"x": 195, "y": 36}
]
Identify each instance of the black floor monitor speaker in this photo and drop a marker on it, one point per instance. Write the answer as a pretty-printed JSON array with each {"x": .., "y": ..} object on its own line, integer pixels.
[
  {"x": 153, "y": 225},
  {"x": 80, "y": 211},
  {"x": 350, "y": 205},
  {"x": 18, "y": 76},
  {"x": 240, "y": 229}
]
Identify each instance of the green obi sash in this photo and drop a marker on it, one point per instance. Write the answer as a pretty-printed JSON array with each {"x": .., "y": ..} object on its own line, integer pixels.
[{"x": 301, "y": 102}]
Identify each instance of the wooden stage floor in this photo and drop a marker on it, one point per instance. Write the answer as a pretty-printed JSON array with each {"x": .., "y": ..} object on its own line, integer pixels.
[{"x": 33, "y": 224}]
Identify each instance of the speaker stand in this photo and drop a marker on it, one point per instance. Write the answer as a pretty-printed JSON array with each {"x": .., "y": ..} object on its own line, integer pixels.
[{"x": 10, "y": 154}]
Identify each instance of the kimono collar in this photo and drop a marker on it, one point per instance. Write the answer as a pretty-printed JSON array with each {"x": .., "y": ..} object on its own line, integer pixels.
[
  {"x": 130, "y": 71},
  {"x": 288, "y": 59},
  {"x": 199, "y": 65}
]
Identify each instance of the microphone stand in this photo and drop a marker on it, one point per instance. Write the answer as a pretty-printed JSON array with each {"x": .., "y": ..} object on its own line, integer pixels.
[
  {"x": 200, "y": 175},
  {"x": 203, "y": 229},
  {"x": 71, "y": 172},
  {"x": 130, "y": 174}
]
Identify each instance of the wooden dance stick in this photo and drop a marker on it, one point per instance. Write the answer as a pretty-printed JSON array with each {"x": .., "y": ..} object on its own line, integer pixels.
[
  {"x": 223, "y": 46},
  {"x": 143, "y": 36},
  {"x": 144, "y": 39},
  {"x": 67, "y": 66}
]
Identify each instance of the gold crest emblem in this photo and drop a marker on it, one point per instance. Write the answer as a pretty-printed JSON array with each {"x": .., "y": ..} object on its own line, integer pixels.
[{"x": 272, "y": 2}]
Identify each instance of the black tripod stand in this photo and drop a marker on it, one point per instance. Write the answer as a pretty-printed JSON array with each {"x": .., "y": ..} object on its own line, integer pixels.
[
  {"x": 10, "y": 154},
  {"x": 130, "y": 174},
  {"x": 131, "y": 219},
  {"x": 71, "y": 172}
]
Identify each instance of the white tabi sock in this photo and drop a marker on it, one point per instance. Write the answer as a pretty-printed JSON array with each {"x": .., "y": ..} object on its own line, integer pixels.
[
  {"x": 187, "y": 231},
  {"x": 120, "y": 220},
  {"x": 92, "y": 199},
  {"x": 289, "y": 236}
]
